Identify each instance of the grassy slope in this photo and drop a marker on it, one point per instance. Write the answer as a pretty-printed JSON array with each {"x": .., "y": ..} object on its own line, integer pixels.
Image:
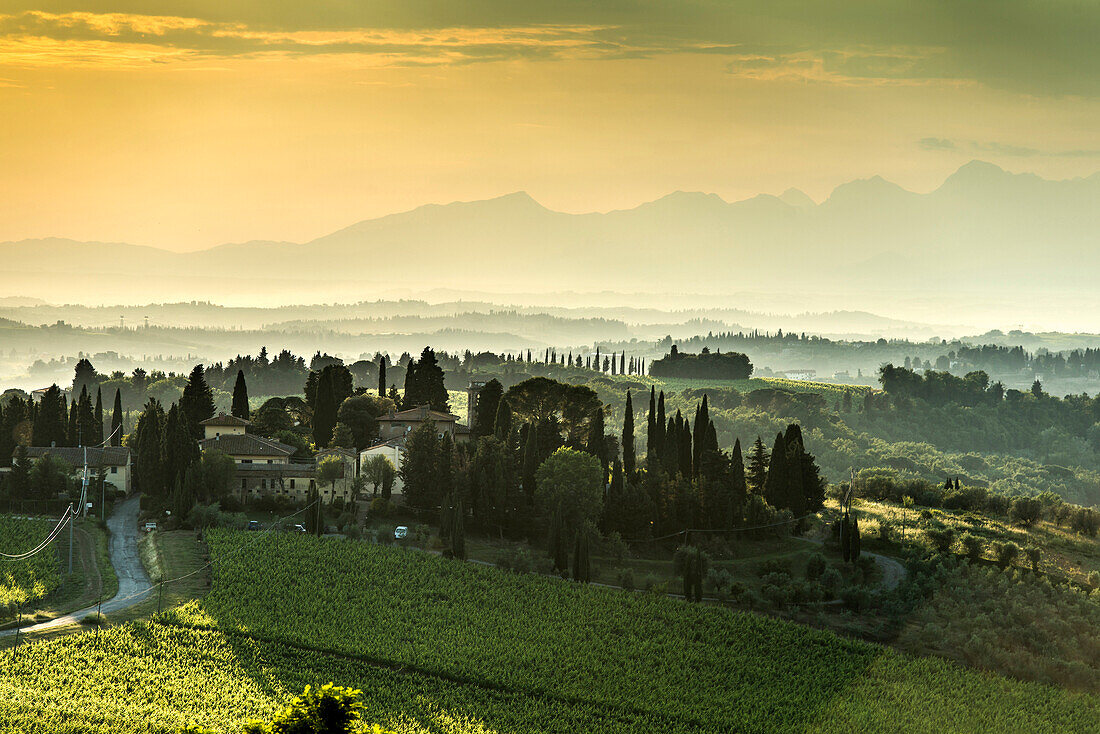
[{"x": 481, "y": 650}]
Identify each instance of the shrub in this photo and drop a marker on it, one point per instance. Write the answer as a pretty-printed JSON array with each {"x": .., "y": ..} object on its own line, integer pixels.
[
  {"x": 353, "y": 531},
  {"x": 381, "y": 507},
  {"x": 815, "y": 566},
  {"x": 1093, "y": 579},
  {"x": 856, "y": 598},
  {"x": 973, "y": 546},
  {"x": 737, "y": 589},
  {"x": 940, "y": 537},
  {"x": 1033, "y": 557},
  {"x": 1026, "y": 511},
  {"x": 516, "y": 560},
  {"x": 95, "y": 619},
  {"x": 830, "y": 582},
  {"x": 626, "y": 579},
  {"x": 1006, "y": 553},
  {"x": 718, "y": 582},
  {"x": 615, "y": 547},
  {"x": 774, "y": 565},
  {"x": 326, "y": 710}
]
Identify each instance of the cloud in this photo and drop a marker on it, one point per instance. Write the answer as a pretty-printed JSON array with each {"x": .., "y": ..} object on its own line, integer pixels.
[
  {"x": 1039, "y": 47},
  {"x": 935, "y": 144},
  {"x": 1003, "y": 149}
]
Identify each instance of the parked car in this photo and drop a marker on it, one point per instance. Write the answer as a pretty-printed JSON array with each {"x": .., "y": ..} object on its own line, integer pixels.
[
  {"x": 298, "y": 529},
  {"x": 150, "y": 527},
  {"x": 253, "y": 524},
  {"x": 401, "y": 532}
]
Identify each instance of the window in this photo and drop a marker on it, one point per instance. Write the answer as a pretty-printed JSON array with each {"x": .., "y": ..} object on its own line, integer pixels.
[
  {"x": 114, "y": 470},
  {"x": 269, "y": 461},
  {"x": 244, "y": 483},
  {"x": 292, "y": 484},
  {"x": 246, "y": 461},
  {"x": 263, "y": 484}
]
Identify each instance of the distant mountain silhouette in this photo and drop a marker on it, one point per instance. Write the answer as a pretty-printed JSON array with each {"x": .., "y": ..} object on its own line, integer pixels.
[{"x": 982, "y": 226}]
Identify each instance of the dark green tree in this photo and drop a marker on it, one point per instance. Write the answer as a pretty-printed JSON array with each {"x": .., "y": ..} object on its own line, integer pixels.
[
  {"x": 458, "y": 532},
  {"x": 420, "y": 468},
  {"x": 240, "y": 397},
  {"x": 596, "y": 444},
  {"x": 530, "y": 461},
  {"x": 382, "y": 376},
  {"x": 776, "y": 485},
  {"x": 148, "y": 439},
  {"x": 558, "y": 548},
  {"x": 486, "y": 404},
  {"x": 629, "y": 459},
  {"x": 197, "y": 402},
  {"x": 502, "y": 424},
  {"x": 757, "y": 473},
  {"x": 702, "y": 426},
  {"x": 178, "y": 450},
  {"x": 651, "y": 427},
  {"x": 98, "y": 435},
  {"x": 582, "y": 566},
  {"x": 325, "y": 409},
  {"x": 116, "y": 420}
]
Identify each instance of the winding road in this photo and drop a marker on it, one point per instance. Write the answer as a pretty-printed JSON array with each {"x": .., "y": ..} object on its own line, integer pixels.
[{"x": 133, "y": 583}]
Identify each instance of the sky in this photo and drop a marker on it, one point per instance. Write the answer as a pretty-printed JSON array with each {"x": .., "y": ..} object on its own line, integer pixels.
[{"x": 184, "y": 125}]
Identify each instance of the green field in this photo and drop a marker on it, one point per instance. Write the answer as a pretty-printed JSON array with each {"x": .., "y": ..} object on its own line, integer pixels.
[
  {"x": 443, "y": 646},
  {"x": 27, "y": 580}
]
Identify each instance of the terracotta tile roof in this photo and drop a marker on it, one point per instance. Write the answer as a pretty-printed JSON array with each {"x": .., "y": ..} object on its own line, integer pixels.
[
  {"x": 246, "y": 444},
  {"x": 221, "y": 419},
  {"x": 74, "y": 456}
]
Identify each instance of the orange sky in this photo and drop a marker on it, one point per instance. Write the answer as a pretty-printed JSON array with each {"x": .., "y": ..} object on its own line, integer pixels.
[{"x": 223, "y": 121}]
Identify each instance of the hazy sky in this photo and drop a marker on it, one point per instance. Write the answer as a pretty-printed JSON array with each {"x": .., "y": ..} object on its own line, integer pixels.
[{"x": 214, "y": 121}]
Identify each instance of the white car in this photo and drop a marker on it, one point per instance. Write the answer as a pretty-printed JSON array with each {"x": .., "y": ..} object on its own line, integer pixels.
[
  {"x": 150, "y": 527},
  {"x": 400, "y": 532}
]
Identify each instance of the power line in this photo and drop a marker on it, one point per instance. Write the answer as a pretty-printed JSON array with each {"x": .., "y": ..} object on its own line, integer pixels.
[{"x": 66, "y": 517}]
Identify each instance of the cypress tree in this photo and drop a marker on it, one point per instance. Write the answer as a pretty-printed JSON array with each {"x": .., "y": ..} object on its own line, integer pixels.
[
  {"x": 530, "y": 461},
  {"x": 775, "y": 486},
  {"x": 558, "y": 552},
  {"x": 382, "y": 376},
  {"x": 458, "y": 533},
  {"x": 651, "y": 426},
  {"x": 98, "y": 428},
  {"x": 148, "y": 442},
  {"x": 197, "y": 402},
  {"x": 613, "y": 510},
  {"x": 702, "y": 427},
  {"x": 628, "y": 437},
  {"x": 796, "y": 496},
  {"x": 738, "y": 485},
  {"x": 597, "y": 442},
  {"x": 846, "y": 538},
  {"x": 758, "y": 467},
  {"x": 855, "y": 539},
  {"x": 324, "y": 415},
  {"x": 581, "y": 567},
  {"x": 240, "y": 397},
  {"x": 670, "y": 453},
  {"x": 685, "y": 464},
  {"x": 502, "y": 424},
  {"x": 116, "y": 420},
  {"x": 179, "y": 451},
  {"x": 660, "y": 425},
  {"x": 72, "y": 425}
]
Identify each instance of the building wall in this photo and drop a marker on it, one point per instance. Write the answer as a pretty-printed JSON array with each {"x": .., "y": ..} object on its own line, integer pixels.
[
  {"x": 393, "y": 453},
  {"x": 213, "y": 431},
  {"x": 246, "y": 459}
]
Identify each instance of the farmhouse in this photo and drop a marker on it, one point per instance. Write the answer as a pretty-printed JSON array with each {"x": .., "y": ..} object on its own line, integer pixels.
[{"x": 112, "y": 462}]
